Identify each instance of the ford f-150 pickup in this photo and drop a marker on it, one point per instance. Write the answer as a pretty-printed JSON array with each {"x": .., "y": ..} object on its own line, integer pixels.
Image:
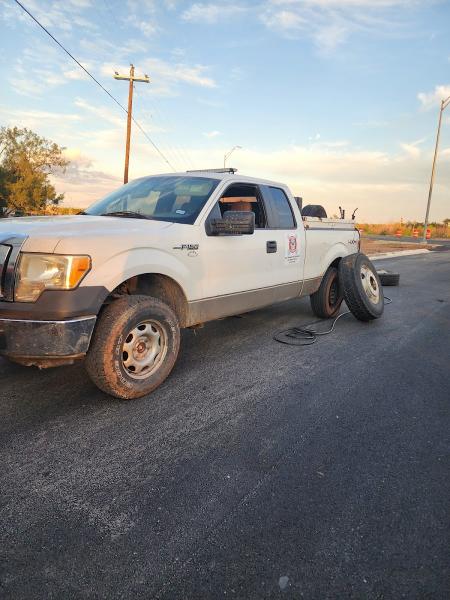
[{"x": 115, "y": 284}]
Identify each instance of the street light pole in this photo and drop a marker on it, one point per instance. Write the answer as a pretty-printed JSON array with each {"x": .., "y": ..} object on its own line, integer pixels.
[
  {"x": 228, "y": 154},
  {"x": 131, "y": 78},
  {"x": 444, "y": 104}
]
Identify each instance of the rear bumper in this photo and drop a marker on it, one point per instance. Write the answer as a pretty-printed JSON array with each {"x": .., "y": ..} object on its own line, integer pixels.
[{"x": 42, "y": 342}]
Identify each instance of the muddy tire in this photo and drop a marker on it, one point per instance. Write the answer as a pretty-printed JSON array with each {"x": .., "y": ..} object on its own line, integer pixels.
[
  {"x": 134, "y": 347},
  {"x": 327, "y": 301},
  {"x": 361, "y": 287}
]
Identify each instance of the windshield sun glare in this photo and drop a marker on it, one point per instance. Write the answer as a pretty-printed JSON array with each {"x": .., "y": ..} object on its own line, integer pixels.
[{"x": 168, "y": 198}]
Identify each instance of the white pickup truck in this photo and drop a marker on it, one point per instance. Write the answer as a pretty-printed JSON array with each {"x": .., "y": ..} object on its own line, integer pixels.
[{"x": 115, "y": 284}]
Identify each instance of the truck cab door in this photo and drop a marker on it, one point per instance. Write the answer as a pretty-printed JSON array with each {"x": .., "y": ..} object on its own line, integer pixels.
[
  {"x": 249, "y": 271},
  {"x": 286, "y": 230}
]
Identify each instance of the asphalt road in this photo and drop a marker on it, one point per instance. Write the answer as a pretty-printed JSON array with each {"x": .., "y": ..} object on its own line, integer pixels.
[{"x": 256, "y": 471}]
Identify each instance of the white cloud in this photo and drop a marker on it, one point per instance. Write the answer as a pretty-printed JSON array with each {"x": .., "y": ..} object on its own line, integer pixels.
[
  {"x": 432, "y": 99},
  {"x": 32, "y": 118},
  {"x": 102, "y": 112},
  {"x": 412, "y": 148},
  {"x": 211, "y": 134},
  {"x": 329, "y": 23},
  {"x": 211, "y": 13},
  {"x": 42, "y": 67},
  {"x": 147, "y": 27},
  {"x": 56, "y": 16},
  {"x": 76, "y": 73},
  {"x": 284, "y": 20},
  {"x": 385, "y": 186}
]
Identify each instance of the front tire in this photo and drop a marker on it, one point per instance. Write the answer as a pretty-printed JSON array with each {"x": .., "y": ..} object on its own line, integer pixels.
[{"x": 134, "y": 347}]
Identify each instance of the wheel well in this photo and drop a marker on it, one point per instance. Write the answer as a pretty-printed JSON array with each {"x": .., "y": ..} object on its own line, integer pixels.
[
  {"x": 158, "y": 286},
  {"x": 336, "y": 262}
]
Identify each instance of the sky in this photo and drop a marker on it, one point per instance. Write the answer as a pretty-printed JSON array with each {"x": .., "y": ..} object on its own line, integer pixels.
[{"x": 337, "y": 98}]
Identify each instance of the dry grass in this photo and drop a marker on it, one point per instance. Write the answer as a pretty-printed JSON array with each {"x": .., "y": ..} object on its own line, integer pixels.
[{"x": 438, "y": 230}]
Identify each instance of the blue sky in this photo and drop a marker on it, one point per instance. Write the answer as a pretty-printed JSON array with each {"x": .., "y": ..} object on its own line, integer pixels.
[{"x": 337, "y": 98}]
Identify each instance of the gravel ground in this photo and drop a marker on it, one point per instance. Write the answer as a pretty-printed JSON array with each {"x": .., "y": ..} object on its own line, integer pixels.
[{"x": 372, "y": 247}]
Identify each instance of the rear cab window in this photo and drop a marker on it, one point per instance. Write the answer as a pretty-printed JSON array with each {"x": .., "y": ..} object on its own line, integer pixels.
[{"x": 281, "y": 215}]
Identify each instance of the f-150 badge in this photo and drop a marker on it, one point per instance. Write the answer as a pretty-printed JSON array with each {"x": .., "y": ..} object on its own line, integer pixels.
[
  {"x": 191, "y": 248},
  {"x": 186, "y": 247}
]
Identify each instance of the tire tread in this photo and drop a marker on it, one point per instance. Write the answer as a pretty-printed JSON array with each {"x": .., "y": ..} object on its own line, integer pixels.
[
  {"x": 96, "y": 365},
  {"x": 351, "y": 296}
]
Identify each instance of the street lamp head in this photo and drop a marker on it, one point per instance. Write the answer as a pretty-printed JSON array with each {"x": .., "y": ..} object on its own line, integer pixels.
[{"x": 228, "y": 154}]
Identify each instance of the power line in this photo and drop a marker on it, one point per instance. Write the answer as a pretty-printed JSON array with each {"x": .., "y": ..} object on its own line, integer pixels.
[
  {"x": 175, "y": 153},
  {"x": 96, "y": 81},
  {"x": 170, "y": 149}
]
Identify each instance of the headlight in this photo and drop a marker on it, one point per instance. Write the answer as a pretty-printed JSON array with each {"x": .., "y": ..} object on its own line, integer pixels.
[{"x": 39, "y": 272}]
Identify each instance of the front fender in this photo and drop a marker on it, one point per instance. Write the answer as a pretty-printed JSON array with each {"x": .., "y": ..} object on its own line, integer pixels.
[{"x": 122, "y": 266}]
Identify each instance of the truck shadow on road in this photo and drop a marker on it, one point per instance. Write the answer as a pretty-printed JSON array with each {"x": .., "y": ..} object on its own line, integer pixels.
[{"x": 222, "y": 351}]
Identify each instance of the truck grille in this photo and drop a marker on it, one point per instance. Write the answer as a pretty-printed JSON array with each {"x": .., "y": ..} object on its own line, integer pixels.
[{"x": 4, "y": 255}]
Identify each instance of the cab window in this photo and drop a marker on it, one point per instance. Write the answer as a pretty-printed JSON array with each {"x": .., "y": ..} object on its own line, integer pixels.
[
  {"x": 243, "y": 197},
  {"x": 281, "y": 207}
]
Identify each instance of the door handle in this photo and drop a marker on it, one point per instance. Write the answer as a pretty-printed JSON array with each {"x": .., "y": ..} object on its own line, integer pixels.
[{"x": 271, "y": 247}]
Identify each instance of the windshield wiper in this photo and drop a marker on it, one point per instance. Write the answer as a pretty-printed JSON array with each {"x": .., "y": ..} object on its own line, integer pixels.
[{"x": 124, "y": 213}]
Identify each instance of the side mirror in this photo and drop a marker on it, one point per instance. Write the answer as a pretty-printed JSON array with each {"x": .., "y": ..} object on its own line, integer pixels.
[{"x": 234, "y": 222}]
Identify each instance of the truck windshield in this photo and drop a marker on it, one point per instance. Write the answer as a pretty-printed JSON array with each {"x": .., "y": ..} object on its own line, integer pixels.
[{"x": 169, "y": 198}]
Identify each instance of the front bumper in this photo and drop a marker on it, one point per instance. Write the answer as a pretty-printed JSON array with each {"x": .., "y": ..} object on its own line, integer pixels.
[{"x": 39, "y": 342}]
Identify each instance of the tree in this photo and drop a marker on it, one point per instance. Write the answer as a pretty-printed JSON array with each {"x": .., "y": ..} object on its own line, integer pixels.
[{"x": 26, "y": 162}]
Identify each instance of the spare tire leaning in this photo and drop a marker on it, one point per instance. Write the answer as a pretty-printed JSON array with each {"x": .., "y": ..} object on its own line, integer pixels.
[
  {"x": 361, "y": 287},
  {"x": 388, "y": 277}
]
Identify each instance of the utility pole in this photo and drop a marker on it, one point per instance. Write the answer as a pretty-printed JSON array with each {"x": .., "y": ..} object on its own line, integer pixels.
[
  {"x": 444, "y": 104},
  {"x": 131, "y": 78}
]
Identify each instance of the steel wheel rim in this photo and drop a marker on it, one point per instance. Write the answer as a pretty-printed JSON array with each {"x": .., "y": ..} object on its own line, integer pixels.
[
  {"x": 370, "y": 284},
  {"x": 144, "y": 349}
]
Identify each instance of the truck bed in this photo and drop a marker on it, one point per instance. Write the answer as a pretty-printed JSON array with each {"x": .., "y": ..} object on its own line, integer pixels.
[{"x": 317, "y": 223}]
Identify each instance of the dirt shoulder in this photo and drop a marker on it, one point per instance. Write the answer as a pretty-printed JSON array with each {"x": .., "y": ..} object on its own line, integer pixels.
[{"x": 371, "y": 247}]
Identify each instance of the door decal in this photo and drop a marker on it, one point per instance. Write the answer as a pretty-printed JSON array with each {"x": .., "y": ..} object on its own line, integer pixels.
[{"x": 292, "y": 250}]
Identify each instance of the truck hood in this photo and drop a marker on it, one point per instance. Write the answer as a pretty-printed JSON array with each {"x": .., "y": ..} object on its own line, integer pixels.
[{"x": 46, "y": 233}]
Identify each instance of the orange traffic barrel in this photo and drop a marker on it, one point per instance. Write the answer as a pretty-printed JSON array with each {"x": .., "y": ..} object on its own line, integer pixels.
[
  {"x": 428, "y": 235},
  {"x": 415, "y": 233},
  {"x": 398, "y": 233}
]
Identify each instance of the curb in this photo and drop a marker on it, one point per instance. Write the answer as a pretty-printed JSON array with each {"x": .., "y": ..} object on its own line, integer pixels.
[{"x": 399, "y": 253}]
